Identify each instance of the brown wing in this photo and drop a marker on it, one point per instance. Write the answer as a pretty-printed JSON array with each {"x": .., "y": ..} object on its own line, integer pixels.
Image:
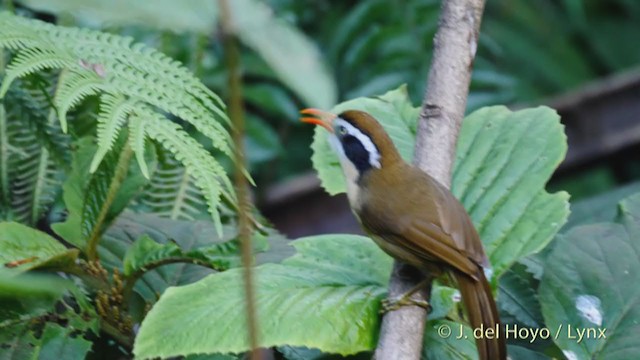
[
  {"x": 456, "y": 222},
  {"x": 429, "y": 241},
  {"x": 429, "y": 223}
]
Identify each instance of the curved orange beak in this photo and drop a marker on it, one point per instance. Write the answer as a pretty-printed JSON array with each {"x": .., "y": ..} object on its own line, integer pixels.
[{"x": 321, "y": 118}]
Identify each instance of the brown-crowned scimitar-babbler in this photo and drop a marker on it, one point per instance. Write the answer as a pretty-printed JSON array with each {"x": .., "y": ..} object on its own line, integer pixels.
[{"x": 411, "y": 216}]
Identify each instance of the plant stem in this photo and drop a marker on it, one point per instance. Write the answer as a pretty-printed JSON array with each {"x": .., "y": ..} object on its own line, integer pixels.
[
  {"x": 4, "y": 144},
  {"x": 4, "y": 158},
  {"x": 123, "y": 339},
  {"x": 455, "y": 44},
  {"x": 181, "y": 195},
  {"x": 122, "y": 168},
  {"x": 8, "y": 6},
  {"x": 236, "y": 113}
]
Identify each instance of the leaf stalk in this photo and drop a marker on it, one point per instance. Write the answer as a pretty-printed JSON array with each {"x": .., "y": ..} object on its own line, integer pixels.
[{"x": 120, "y": 174}]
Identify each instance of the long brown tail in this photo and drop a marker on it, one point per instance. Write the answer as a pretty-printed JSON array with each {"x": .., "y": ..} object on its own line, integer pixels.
[{"x": 482, "y": 312}]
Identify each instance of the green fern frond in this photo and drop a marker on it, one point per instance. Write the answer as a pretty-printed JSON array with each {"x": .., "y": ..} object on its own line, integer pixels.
[
  {"x": 33, "y": 101},
  {"x": 136, "y": 71},
  {"x": 172, "y": 192},
  {"x": 113, "y": 114},
  {"x": 35, "y": 186},
  {"x": 172, "y": 99},
  {"x": 30, "y": 61},
  {"x": 207, "y": 173},
  {"x": 33, "y": 175},
  {"x": 136, "y": 137},
  {"x": 137, "y": 85},
  {"x": 73, "y": 87}
]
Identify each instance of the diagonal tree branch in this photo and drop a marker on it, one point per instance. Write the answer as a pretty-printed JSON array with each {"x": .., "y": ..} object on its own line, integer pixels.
[{"x": 455, "y": 44}]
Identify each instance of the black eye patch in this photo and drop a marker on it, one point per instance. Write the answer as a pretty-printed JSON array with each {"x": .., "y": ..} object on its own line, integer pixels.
[{"x": 356, "y": 153}]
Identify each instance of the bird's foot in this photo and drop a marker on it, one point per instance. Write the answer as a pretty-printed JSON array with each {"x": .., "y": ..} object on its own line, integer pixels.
[{"x": 395, "y": 304}]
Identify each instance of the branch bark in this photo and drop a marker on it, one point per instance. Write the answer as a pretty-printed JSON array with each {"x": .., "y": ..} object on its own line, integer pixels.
[{"x": 455, "y": 44}]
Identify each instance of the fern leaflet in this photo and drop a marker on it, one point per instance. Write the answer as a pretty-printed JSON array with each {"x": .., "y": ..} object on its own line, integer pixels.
[{"x": 139, "y": 88}]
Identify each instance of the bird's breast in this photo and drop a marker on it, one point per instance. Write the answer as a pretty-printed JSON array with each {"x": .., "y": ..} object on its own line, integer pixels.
[{"x": 351, "y": 176}]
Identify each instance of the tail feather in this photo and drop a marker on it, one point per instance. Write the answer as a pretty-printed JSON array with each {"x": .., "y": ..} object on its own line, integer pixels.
[{"x": 482, "y": 311}]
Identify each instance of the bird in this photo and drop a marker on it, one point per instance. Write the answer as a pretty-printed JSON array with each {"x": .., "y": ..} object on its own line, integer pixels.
[{"x": 411, "y": 216}]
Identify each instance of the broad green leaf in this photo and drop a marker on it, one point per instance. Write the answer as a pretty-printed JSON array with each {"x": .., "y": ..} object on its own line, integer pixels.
[
  {"x": 186, "y": 15},
  {"x": 275, "y": 40},
  {"x": 341, "y": 277},
  {"x": 454, "y": 340},
  {"x": 522, "y": 353},
  {"x": 262, "y": 143},
  {"x": 303, "y": 353},
  {"x": 185, "y": 235},
  {"x": 599, "y": 208},
  {"x": 141, "y": 239},
  {"x": 327, "y": 296},
  {"x": 23, "y": 248},
  {"x": 252, "y": 20},
  {"x": 608, "y": 39},
  {"x": 518, "y": 297},
  {"x": 279, "y": 247},
  {"x": 213, "y": 357},
  {"x": 380, "y": 84},
  {"x": 145, "y": 252},
  {"x": 23, "y": 298},
  {"x": 443, "y": 301},
  {"x": 17, "y": 343},
  {"x": 33, "y": 294},
  {"x": 503, "y": 162},
  {"x": 352, "y": 24},
  {"x": 342, "y": 258},
  {"x": 271, "y": 99},
  {"x": 37, "y": 321},
  {"x": 591, "y": 283},
  {"x": 62, "y": 343},
  {"x": 27, "y": 294},
  {"x": 55, "y": 342}
]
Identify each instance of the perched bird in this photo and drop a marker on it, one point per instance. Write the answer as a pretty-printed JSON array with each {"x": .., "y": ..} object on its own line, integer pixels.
[{"x": 411, "y": 216}]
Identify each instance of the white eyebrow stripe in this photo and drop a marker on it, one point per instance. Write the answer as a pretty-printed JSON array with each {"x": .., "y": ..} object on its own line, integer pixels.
[{"x": 374, "y": 154}]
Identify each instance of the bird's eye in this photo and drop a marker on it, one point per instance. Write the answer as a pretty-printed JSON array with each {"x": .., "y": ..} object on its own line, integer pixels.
[{"x": 342, "y": 130}]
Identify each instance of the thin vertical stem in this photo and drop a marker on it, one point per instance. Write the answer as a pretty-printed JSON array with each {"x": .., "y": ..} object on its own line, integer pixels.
[
  {"x": 236, "y": 113},
  {"x": 8, "y": 6},
  {"x": 4, "y": 145},
  {"x": 4, "y": 159},
  {"x": 122, "y": 167}
]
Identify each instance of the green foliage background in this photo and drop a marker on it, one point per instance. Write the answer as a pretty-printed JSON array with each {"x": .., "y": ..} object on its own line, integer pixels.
[
  {"x": 343, "y": 278},
  {"x": 370, "y": 47},
  {"x": 110, "y": 149}
]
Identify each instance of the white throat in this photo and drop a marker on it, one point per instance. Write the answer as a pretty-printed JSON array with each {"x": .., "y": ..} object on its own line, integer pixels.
[{"x": 349, "y": 170}]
